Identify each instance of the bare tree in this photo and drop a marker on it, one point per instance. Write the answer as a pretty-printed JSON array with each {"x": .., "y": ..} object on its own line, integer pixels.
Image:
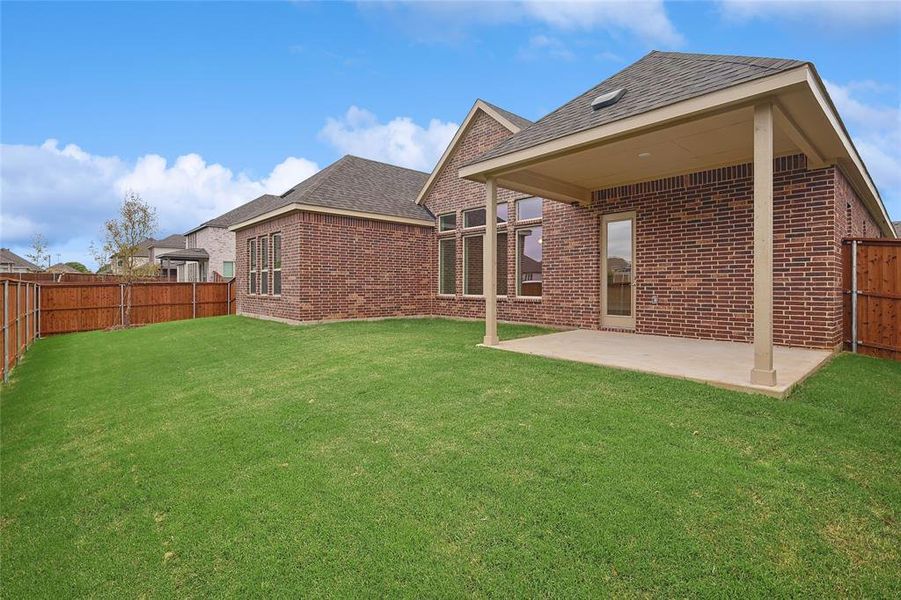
[
  {"x": 122, "y": 237},
  {"x": 39, "y": 253}
]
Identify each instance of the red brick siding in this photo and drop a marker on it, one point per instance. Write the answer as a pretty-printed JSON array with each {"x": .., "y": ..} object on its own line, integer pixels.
[
  {"x": 694, "y": 256},
  {"x": 336, "y": 267}
]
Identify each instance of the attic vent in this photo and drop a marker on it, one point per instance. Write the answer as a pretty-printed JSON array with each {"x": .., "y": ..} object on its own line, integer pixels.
[{"x": 608, "y": 98}]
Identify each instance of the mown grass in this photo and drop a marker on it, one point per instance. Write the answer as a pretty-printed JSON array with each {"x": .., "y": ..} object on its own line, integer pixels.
[{"x": 229, "y": 456}]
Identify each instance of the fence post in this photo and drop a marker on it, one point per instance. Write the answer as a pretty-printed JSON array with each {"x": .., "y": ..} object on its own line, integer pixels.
[
  {"x": 194, "y": 300},
  {"x": 122, "y": 304},
  {"x": 228, "y": 297},
  {"x": 18, "y": 319},
  {"x": 854, "y": 296},
  {"x": 37, "y": 325},
  {"x": 27, "y": 319},
  {"x": 5, "y": 331}
]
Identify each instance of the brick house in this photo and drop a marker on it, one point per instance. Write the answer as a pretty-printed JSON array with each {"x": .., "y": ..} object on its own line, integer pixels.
[
  {"x": 350, "y": 242},
  {"x": 688, "y": 195}
]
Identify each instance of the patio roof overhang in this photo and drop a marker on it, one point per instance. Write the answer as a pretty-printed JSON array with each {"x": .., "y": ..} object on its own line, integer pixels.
[
  {"x": 188, "y": 255},
  {"x": 707, "y": 131}
]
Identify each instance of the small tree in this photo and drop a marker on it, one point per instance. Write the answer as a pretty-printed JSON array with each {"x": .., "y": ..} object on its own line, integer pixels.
[
  {"x": 39, "y": 254},
  {"x": 122, "y": 239},
  {"x": 78, "y": 266}
]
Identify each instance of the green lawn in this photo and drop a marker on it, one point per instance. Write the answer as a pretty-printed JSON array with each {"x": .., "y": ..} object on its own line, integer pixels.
[{"x": 230, "y": 456}]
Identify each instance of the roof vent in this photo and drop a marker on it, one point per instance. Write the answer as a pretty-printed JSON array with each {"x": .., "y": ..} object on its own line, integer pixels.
[{"x": 607, "y": 99}]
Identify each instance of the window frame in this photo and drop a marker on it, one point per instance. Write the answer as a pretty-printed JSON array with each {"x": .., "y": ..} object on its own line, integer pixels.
[
  {"x": 277, "y": 265},
  {"x": 228, "y": 262},
  {"x": 252, "y": 267},
  {"x": 476, "y": 209},
  {"x": 441, "y": 225},
  {"x": 466, "y": 262},
  {"x": 530, "y": 219},
  {"x": 446, "y": 240},
  {"x": 519, "y": 237},
  {"x": 264, "y": 265}
]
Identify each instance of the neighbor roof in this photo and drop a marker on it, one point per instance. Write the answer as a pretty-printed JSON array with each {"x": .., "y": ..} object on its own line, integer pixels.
[
  {"x": 62, "y": 268},
  {"x": 658, "y": 79},
  {"x": 176, "y": 240},
  {"x": 897, "y": 226},
  {"x": 358, "y": 185},
  {"x": 8, "y": 257}
]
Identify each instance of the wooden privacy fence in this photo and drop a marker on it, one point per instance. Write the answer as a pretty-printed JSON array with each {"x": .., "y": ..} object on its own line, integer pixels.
[
  {"x": 34, "y": 309},
  {"x": 20, "y": 320},
  {"x": 872, "y": 296}
]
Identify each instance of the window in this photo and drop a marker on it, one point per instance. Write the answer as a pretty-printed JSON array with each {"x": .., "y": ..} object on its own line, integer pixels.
[
  {"x": 473, "y": 261},
  {"x": 528, "y": 261},
  {"x": 528, "y": 208},
  {"x": 264, "y": 265},
  {"x": 476, "y": 216},
  {"x": 447, "y": 266},
  {"x": 119, "y": 262},
  {"x": 252, "y": 266},
  {"x": 447, "y": 222},
  {"x": 277, "y": 264},
  {"x": 228, "y": 268}
]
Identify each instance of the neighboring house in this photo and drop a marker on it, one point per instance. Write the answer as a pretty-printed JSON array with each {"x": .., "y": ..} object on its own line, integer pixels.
[
  {"x": 217, "y": 243},
  {"x": 349, "y": 242},
  {"x": 690, "y": 195},
  {"x": 61, "y": 268},
  {"x": 897, "y": 225},
  {"x": 10, "y": 262},
  {"x": 157, "y": 252},
  {"x": 150, "y": 251}
]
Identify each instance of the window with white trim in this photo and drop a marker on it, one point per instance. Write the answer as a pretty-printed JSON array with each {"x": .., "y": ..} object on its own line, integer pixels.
[
  {"x": 277, "y": 264},
  {"x": 474, "y": 260},
  {"x": 264, "y": 265},
  {"x": 529, "y": 261},
  {"x": 228, "y": 268},
  {"x": 447, "y": 266},
  {"x": 528, "y": 209},
  {"x": 475, "y": 217},
  {"x": 447, "y": 222},
  {"x": 252, "y": 266}
]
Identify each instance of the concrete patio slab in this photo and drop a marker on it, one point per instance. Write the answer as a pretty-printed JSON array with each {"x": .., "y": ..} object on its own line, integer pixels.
[{"x": 722, "y": 364}]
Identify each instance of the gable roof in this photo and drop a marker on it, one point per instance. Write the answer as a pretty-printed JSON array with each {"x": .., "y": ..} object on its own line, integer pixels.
[
  {"x": 8, "y": 257},
  {"x": 352, "y": 185},
  {"x": 511, "y": 121},
  {"x": 656, "y": 80},
  {"x": 897, "y": 226}
]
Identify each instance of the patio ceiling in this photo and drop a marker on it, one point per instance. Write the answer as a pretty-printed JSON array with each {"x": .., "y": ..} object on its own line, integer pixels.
[{"x": 708, "y": 131}]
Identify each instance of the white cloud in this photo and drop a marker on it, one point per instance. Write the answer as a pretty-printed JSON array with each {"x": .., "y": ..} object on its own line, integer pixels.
[
  {"x": 66, "y": 193},
  {"x": 399, "y": 141},
  {"x": 646, "y": 19},
  {"x": 876, "y": 131},
  {"x": 858, "y": 14},
  {"x": 451, "y": 21}
]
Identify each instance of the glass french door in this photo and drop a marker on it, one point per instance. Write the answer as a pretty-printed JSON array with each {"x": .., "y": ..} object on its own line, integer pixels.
[{"x": 618, "y": 270}]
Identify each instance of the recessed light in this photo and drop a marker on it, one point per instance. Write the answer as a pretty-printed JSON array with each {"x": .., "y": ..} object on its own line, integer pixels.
[{"x": 644, "y": 155}]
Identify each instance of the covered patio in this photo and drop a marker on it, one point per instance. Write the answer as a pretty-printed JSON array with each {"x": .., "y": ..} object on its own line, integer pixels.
[
  {"x": 720, "y": 364},
  {"x": 645, "y": 127},
  {"x": 198, "y": 257}
]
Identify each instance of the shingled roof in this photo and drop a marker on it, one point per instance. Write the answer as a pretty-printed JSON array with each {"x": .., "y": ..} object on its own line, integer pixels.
[
  {"x": 8, "y": 257},
  {"x": 514, "y": 118},
  {"x": 260, "y": 205},
  {"x": 656, "y": 80},
  {"x": 356, "y": 184}
]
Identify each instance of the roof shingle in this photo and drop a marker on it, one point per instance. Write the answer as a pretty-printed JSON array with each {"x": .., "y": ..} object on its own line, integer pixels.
[
  {"x": 656, "y": 80},
  {"x": 358, "y": 184}
]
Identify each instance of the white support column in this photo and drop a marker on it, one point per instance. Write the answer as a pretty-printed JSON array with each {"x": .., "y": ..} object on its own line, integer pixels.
[
  {"x": 489, "y": 267},
  {"x": 763, "y": 372}
]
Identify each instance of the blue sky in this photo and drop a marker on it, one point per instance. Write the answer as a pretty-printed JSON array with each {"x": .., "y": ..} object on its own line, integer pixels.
[{"x": 203, "y": 106}]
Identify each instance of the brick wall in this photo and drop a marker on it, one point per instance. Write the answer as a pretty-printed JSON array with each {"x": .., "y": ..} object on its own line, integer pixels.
[
  {"x": 336, "y": 267},
  {"x": 219, "y": 243}
]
